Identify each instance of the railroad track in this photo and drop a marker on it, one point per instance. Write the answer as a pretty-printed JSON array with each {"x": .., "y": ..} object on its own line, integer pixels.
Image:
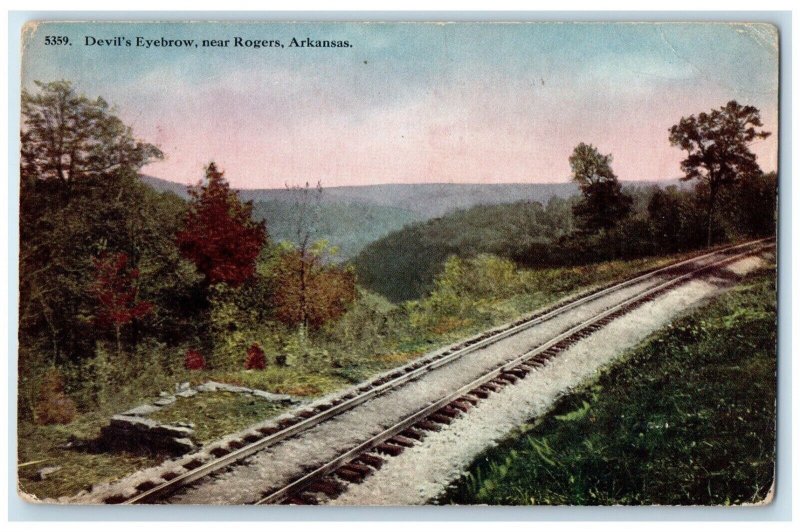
[{"x": 358, "y": 462}]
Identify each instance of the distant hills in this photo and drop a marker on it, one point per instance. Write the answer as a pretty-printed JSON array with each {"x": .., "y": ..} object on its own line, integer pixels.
[
  {"x": 427, "y": 200},
  {"x": 353, "y": 217},
  {"x": 402, "y": 265},
  {"x": 347, "y": 226}
]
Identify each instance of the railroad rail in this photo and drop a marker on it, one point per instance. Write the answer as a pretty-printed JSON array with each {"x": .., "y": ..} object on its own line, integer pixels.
[{"x": 356, "y": 463}]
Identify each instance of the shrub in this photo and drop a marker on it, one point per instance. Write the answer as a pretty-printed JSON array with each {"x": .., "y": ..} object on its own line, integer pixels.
[
  {"x": 239, "y": 318},
  {"x": 255, "y": 358},
  {"x": 54, "y": 406},
  {"x": 194, "y": 360},
  {"x": 462, "y": 291},
  {"x": 310, "y": 292},
  {"x": 108, "y": 382},
  {"x": 363, "y": 331}
]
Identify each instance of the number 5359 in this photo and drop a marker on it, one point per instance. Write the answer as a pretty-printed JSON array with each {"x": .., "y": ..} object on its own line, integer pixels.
[{"x": 50, "y": 40}]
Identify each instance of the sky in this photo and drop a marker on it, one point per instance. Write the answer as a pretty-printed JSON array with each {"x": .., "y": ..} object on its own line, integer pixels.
[{"x": 414, "y": 103}]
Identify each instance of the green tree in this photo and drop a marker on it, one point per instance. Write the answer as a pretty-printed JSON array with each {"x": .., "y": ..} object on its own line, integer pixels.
[
  {"x": 80, "y": 197},
  {"x": 757, "y": 204},
  {"x": 666, "y": 222},
  {"x": 68, "y": 137},
  {"x": 718, "y": 150},
  {"x": 603, "y": 203}
]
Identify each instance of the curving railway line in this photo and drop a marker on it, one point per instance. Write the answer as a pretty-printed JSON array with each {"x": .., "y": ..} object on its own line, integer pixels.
[{"x": 313, "y": 454}]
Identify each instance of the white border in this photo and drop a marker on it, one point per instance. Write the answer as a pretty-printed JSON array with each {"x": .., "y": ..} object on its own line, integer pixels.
[{"x": 434, "y": 8}]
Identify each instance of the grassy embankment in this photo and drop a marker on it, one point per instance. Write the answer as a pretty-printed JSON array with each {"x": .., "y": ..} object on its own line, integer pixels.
[
  {"x": 687, "y": 417},
  {"x": 401, "y": 341},
  {"x": 387, "y": 335}
]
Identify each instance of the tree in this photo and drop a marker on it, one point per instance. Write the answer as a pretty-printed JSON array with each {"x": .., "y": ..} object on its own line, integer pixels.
[
  {"x": 309, "y": 292},
  {"x": 718, "y": 150},
  {"x": 756, "y": 204},
  {"x": 603, "y": 203},
  {"x": 664, "y": 215},
  {"x": 69, "y": 138},
  {"x": 219, "y": 235},
  {"x": 116, "y": 293},
  {"x": 81, "y": 196},
  {"x": 296, "y": 300}
]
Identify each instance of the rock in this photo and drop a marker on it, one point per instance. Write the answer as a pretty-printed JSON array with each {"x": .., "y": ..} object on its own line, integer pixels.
[
  {"x": 45, "y": 472},
  {"x": 275, "y": 397},
  {"x": 141, "y": 434},
  {"x": 164, "y": 394},
  {"x": 132, "y": 423},
  {"x": 142, "y": 410},
  {"x": 173, "y": 431},
  {"x": 165, "y": 401},
  {"x": 186, "y": 393},
  {"x": 183, "y": 445},
  {"x": 209, "y": 386},
  {"x": 233, "y": 389},
  {"x": 182, "y": 387},
  {"x": 74, "y": 443}
]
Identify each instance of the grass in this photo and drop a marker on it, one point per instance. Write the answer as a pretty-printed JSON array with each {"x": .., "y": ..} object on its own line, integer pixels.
[
  {"x": 214, "y": 415},
  {"x": 288, "y": 380},
  {"x": 218, "y": 413},
  {"x": 532, "y": 290},
  {"x": 80, "y": 469},
  {"x": 687, "y": 417}
]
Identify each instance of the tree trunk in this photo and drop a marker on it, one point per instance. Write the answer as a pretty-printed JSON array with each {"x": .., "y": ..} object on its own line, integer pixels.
[
  {"x": 303, "y": 293},
  {"x": 303, "y": 304},
  {"x": 710, "y": 216},
  {"x": 207, "y": 329},
  {"x": 117, "y": 329}
]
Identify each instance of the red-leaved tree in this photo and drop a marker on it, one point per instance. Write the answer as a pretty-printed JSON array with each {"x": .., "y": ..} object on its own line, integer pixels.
[
  {"x": 116, "y": 291},
  {"x": 219, "y": 235}
]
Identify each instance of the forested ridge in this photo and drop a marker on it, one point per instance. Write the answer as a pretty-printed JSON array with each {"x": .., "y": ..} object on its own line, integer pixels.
[{"x": 403, "y": 265}]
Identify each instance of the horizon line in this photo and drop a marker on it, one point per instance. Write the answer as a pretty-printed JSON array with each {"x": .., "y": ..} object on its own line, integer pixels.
[{"x": 511, "y": 183}]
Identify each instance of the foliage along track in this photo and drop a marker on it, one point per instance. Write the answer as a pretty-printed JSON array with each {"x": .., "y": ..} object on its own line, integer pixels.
[{"x": 356, "y": 464}]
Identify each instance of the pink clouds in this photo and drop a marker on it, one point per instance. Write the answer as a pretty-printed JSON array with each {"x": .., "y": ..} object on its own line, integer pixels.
[
  {"x": 513, "y": 132},
  {"x": 424, "y": 103}
]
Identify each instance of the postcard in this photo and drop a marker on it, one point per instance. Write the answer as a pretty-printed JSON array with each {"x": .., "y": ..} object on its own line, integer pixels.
[{"x": 386, "y": 263}]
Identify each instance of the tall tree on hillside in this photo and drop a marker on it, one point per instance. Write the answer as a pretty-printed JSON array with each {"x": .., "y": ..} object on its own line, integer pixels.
[
  {"x": 603, "y": 203},
  {"x": 68, "y": 138},
  {"x": 219, "y": 235},
  {"x": 718, "y": 150},
  {"x": 79, "y": 196},
  {"x": 299, "y": 265}
]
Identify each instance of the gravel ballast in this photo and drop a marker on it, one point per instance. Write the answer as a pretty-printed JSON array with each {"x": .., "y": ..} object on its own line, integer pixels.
[
  {"x": 270, "y": 468},
  {"x": 423, "y": 472},
  {"x": 274, "y": 466}
]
